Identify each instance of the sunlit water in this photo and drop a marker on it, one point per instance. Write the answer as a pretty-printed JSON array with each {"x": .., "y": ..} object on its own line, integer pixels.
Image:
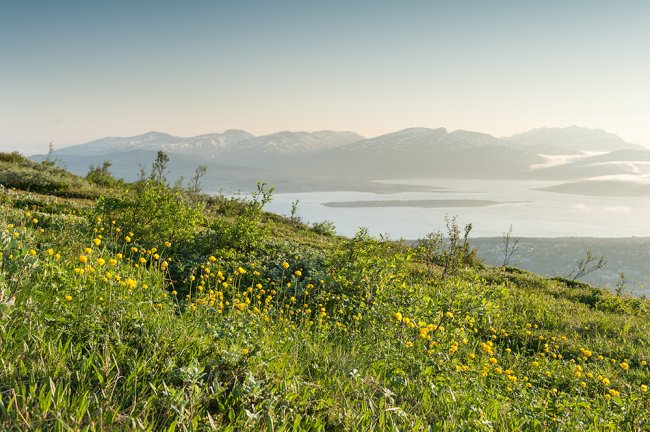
[{"x": 532, "y": 213}]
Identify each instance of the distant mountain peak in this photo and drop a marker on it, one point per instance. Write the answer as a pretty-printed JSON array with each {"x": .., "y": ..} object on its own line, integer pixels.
[
  {"x": 419, "y": 131},
  {"x": 212, "y": 144},
  {"x": 571, "y": 139}
]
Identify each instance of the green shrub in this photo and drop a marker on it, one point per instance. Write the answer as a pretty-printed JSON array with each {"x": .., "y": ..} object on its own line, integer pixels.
[
  {"x": 23, "y": 174},
  {"x": 102, "y": 176},
  {"x": 326, "y": 228},
  {"x": 154, "y": 213},
  {"x": 452, "y": 251},
  {"x": 246, "y": 231},
  {"x": 13, "y": 157}
]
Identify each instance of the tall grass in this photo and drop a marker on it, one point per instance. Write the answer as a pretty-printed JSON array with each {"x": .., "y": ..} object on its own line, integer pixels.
[{"x": 108, "y": 325}]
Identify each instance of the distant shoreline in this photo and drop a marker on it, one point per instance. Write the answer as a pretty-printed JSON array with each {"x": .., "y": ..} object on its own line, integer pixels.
[{"x": 415, "y": 203}]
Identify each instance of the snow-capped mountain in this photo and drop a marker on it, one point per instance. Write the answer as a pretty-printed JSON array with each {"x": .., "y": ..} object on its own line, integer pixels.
[
  {"x": 571, "y": 139},
  {"x": 424, "y": 152},
  {"x": 154, "y": 141},
  {"x": 287, "y": 142},
  {"x": 327, "y": 157},
  {"x": 406, "y": 140},
  {"x": 210, "y": 145}
]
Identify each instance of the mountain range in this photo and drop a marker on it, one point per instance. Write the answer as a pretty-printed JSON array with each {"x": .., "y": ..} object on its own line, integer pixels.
[{"x": 332, "y": 160}]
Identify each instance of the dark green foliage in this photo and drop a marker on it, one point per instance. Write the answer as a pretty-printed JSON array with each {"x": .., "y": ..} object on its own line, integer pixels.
[
  {"x": 451, "y": 251},
  {"x": 154, "y": 212},
  {"x": 326, "y": 228},
  {"x": 16, "y": 172},
  {"x": 246, "y": 231},
  {"x": 102, "y": 176},
  {"x": 13, "y": 157}
]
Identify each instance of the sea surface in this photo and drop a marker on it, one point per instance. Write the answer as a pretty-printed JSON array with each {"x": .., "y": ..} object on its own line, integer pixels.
[{"x": 532, "y": 213}]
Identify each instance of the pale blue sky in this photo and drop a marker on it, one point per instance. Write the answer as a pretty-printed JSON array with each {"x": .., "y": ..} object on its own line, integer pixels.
[{"x": 73, "y": 71}]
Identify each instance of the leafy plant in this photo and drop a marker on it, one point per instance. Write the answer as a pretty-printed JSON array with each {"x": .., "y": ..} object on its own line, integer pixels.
[
  {"x": 101, "y": 176},
  {"x": 326, "y": 228},
  {"x": 154, "y": 212},
  {"x": 452, "y": 251}
]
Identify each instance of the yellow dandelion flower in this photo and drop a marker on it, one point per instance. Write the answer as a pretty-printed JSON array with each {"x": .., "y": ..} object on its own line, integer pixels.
[
  {"x": 68, "y": 297},
  {"x": 97, "y": 241},
  {"x": 83, "y": 258}
]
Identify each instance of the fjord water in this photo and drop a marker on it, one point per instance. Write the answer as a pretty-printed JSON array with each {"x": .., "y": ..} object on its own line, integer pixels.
[{"x": 532, "y": 213}]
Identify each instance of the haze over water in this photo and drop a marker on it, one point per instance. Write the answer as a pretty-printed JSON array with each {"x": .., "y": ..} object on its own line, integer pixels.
[{"x": 531, "y": 212}]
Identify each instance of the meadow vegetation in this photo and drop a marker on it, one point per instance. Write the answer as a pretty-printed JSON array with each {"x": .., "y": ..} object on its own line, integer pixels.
[{"x": 146, "y": 306}]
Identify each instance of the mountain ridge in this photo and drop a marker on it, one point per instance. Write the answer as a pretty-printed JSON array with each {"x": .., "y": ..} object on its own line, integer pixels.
[
  {"x": 572, "y": 138},
  {"x": 340, "y": 157}
]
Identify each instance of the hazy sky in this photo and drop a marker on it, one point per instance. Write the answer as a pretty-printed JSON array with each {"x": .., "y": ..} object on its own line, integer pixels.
[{"x": 72, "y": 71}]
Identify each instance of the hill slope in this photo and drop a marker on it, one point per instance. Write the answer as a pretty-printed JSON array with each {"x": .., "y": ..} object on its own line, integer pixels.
[{"x": 155, "y": 308}]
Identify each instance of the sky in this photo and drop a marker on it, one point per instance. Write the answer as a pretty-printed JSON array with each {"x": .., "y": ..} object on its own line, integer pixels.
[{"x": 73, "y": 71}]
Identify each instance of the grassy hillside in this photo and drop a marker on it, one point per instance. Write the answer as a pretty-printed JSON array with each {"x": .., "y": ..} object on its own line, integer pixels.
[{"x": 146, "y": 307}]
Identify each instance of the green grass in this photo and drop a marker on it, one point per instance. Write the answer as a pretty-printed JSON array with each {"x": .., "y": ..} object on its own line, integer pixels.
[
  {"x": 19, "y": 173},
  {"x": 249, "y": 321}
]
